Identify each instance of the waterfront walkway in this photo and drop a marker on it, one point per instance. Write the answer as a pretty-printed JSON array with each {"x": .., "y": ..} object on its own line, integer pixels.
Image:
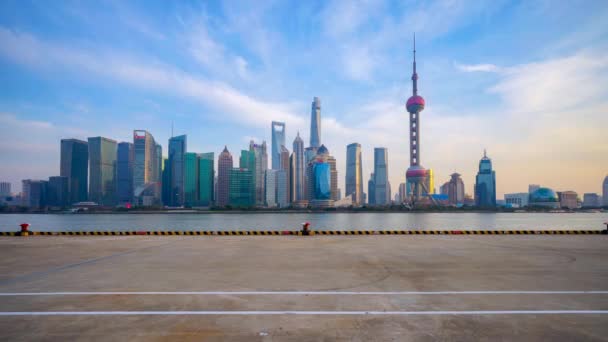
[{"x": 474, "y": 287}]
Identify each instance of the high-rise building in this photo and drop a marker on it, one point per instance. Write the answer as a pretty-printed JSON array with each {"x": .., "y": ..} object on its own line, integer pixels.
[
  {"x": 205, "y": 181},
  {"x": 319, "y": 179},
  {"x": 371, "y": 189},
  {"x": 382, "y": 190},
  {"x": 591, "y": 200},
  {"x": 242, "y": 187},
  {"x": 333, "y": 175},
  {"x": 102, "y": 170},
  {"x": 75, "y": 166},
  {"x": 146, "y": 176},
  {"x": 178, "y": 146},
  {"x": 283, "y": 176},
  {"x": 298, "y": 169},
  {"x": 270, "y": 187},
  {"x": 354, "y": 173},
  {"x": 124, "y": 172},
  {"x": 166, "y": 183},
  {"x": 416, "y": 175},
  {"x": 190, "y": 179},
  {"x": 292, "y": 180},
  {"x": 455, "y": 189},
  {"x": 605, "y": 192},
  {"x": 261, "y": 165},
  {"x": 158, "y": 164},
  {"x": 485, "y": 184},
  {"x": 278, "y": 140},
  {"x": 247, "y": 161},
  {"x": 402, "y": 193},
  {"x": 568, "y": 199},
  {"x": 5, "y": 189},
  {"x": 33, "y": 193},
  {"x": 224, "y": 165},
  {"x": 315, "y": 123},
  {"x": 57, "y": 191}
]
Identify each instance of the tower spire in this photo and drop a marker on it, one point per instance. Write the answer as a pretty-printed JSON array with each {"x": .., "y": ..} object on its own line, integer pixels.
[{"x": 414, "y": 74}]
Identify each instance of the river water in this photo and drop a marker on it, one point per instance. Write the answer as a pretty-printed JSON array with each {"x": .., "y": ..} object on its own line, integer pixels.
[{"x": 291, "y": 221}]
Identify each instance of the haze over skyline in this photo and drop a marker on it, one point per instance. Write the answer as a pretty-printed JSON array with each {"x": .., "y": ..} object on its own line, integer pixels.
[{"x": 527, "y": 81}]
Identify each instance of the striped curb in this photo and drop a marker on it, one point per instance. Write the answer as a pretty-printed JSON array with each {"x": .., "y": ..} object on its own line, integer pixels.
[{"x": 314, "y": 232}]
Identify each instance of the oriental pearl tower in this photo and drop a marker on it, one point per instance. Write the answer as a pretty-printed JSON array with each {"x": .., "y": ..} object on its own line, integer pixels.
[{"x": 417, "y": 177}]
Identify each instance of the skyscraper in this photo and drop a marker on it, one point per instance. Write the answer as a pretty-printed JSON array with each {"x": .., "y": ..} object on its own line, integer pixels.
[
  {"x": 455, "y": 189},
  {"x": 605, "y": 191},
  {"x": 33, "y": 193},
  {"x": 190, "y": 179},
  {"x": 485, "y": 184},
  {"x": 416, "y": 175},
  {"x": 124, "y": 172},
  {"x": 57, "y": 191},
  {"x": 354, "y": 173},
  {"x": 206, "y": 176},
  {"x": 146, "y": 176},
  {"x": 102, "y": 170},
  {"x": 166, "y": 183},
  {"x": 5, "y": 189},
  {"x": 371, "y": 189},
  {"x": 321, "y": 191},
  {"x": 75, "y": 166},
  {"x": 283, "y": 194},
  {"x": 224, "y": 165},
  {"x": 298, "y": 169},
  {"x": 382, "y": 192},
  {"x": 278, "y": 140},
  {"x": 315, "y": 123},
  {"x": 270, "y": 187},
  {"x": 242, "y": 188},
  {"x": 158, "y": 164},
  {"x": 261, "y": 165},
  {"x": 177, "y": 148}
]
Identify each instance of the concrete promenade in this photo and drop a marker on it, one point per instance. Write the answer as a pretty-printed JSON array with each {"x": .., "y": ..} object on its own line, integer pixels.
[{"x": 328, "y": 288}]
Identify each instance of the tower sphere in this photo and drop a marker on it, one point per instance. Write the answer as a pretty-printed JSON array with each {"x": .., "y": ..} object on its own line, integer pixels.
[{"x": 415, "y": 104}]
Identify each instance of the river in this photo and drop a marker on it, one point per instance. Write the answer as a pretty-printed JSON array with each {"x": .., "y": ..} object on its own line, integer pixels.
[{"x": 285, "y": 221}]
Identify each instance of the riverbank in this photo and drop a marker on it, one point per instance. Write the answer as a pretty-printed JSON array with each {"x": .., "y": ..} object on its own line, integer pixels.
[{"x": 304, "y": 288}]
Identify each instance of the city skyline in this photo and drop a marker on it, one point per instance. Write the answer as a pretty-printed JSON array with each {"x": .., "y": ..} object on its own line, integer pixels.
[{"x": 490, "y": 101}]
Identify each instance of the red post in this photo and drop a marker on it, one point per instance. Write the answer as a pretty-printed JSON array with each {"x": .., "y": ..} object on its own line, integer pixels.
[{"x": 24, "y": 227}]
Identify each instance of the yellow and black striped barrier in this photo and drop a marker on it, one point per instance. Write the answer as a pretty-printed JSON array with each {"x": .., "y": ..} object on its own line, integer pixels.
[{"x": 299, "y": 233}]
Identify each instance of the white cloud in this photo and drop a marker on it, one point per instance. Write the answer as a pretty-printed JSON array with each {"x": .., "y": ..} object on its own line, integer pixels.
[
  {"x": 477, "y": 67},
  {"x": 238, "y": 107}
]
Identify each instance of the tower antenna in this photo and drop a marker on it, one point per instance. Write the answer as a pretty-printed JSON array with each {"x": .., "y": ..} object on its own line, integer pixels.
[{"x": 171, "y": 128}]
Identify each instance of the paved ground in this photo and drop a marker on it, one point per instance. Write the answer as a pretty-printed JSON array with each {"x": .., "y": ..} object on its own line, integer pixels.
[{"x": 304, "y": 288}]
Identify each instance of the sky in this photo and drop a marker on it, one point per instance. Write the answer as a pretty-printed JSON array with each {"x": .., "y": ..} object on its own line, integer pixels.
[{"x": 527, "y": 81}]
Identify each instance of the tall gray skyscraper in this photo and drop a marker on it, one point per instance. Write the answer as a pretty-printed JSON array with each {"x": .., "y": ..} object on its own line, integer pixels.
[
  {"x": 261, "y": 165},
  {"x": 278, "y": 140},
  {"x": 178, "y": 146},
  {"x": 382, "y": 191},
  {"x": 102, "y": 170},
  {"x": 298, "y": 169},
  {"x": 315, "y": 123},
  {"x": 124, "y": 172},
  {"x": 75, "y": 166},
  {"x": 354, "y": 173}
]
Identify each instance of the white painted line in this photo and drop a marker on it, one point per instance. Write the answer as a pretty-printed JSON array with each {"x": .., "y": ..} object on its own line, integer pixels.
[
  {"x": 351, "y": 293},
  {"x": 337, "y": 313}
]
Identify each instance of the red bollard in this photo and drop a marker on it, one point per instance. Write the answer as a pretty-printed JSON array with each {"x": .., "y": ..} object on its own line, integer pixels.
[{"x": 24, "y": 231}]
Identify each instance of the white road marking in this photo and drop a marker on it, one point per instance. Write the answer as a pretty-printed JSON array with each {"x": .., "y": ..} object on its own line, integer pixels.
[
  {"x": 215, "y": 293},
  {"x": 338, "y": 313}
]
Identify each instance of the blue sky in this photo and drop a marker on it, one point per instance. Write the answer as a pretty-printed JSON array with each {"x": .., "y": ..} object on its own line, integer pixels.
[{"x": 526, "y": 80}]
